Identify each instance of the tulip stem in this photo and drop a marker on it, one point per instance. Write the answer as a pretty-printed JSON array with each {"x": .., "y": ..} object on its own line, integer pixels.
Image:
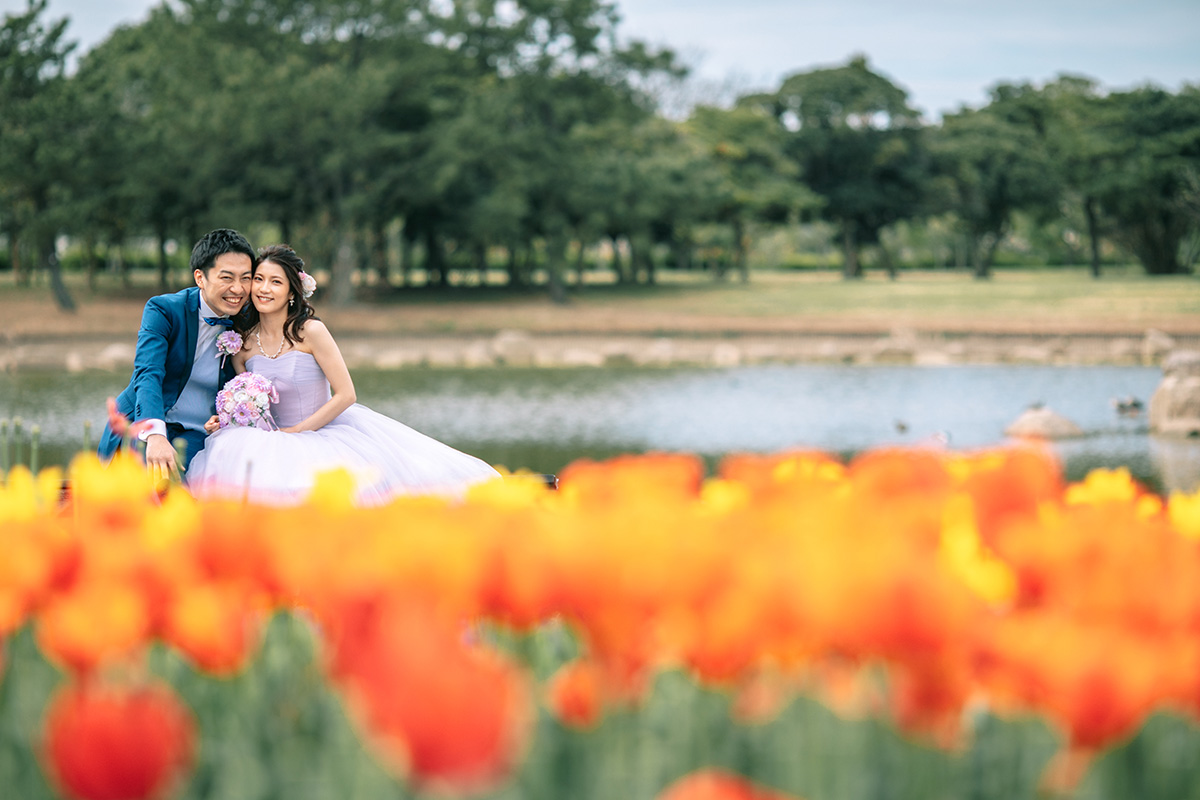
[
  {"x": 35, "y": 437},
  {"x": 16, "y": 440},
  {"x": 5, "y": 452}
]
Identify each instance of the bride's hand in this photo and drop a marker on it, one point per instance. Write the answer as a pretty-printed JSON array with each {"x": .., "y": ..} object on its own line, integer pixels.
[
  {"x": 213, "y": 424},
  {"x": 290, "y": 429}
]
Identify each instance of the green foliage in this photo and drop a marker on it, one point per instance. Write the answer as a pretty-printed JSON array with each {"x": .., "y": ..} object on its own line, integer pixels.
[
  {"x": 278, "y": 730},
  {"x": 860, "y": 147},
  {"x": 38, "y": 134},
  {"x": 992, "y": 167},
  {"x": 1147, "y": 174},
  {"x": 370, "y": 132}
]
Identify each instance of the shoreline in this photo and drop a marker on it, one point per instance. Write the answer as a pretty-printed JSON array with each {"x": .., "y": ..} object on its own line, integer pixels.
[{"x": 517, "y": 348}]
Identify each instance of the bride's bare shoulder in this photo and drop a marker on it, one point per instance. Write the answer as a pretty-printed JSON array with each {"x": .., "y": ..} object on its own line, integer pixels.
[
  {"x": 314, "y": 327},
  {"x": 314, "y": 334}
]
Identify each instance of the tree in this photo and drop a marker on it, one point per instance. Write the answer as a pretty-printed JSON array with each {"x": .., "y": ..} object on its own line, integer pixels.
[
  {"x": 1144, "y": 181},
  {"x": 860, "y": 147},
  {"x": 994, "y": 167},
  {"x": 36, "y": 153},
  {"x": 757, "y": 180},
  {"x": 562, "y": 69}
]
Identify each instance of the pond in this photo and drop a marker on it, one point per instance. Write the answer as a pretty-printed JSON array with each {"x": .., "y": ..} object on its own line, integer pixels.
[{"x": 542, "y": 419}]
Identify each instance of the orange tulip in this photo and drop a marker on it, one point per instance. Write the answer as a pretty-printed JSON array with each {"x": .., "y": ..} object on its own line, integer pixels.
[
  {"x": 213, "y": 625},
  {"x": 1008, "y": 485},
  {"x": 666, "y": 476},
  {"x": 575, "y": 694},
  {"x": 95, "y": 623}
]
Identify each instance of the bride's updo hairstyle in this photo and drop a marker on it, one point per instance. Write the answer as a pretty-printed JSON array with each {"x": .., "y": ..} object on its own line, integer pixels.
[{"x": 293, "y": 266}]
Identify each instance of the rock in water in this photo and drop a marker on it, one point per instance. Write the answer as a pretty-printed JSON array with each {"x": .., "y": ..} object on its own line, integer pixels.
[
  {"x": 1042, "y": 423},
  {"x": 1175, "y": 405}
]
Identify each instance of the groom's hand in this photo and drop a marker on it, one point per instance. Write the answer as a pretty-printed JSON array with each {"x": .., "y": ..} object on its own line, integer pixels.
[{"x": 160, "y": 458}]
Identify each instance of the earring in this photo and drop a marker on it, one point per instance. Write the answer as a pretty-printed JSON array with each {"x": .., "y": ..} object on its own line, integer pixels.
[{"x": 291, "y": 301}]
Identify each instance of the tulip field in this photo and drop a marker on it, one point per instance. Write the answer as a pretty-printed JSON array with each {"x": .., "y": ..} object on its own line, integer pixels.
[{"x": 909, "y": 624}]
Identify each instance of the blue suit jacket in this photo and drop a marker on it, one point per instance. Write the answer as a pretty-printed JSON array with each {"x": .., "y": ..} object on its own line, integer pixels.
[{"x": 162, "y": 362}]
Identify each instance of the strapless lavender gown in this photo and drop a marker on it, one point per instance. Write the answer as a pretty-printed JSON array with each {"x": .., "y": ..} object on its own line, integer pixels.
[{"x": 386, "y": 457}]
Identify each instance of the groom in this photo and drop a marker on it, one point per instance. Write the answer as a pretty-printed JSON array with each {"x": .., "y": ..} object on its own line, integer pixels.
[{"x": 176, "y": 369}]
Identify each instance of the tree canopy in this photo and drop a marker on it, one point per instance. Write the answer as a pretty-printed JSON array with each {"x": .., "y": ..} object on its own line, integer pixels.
[{"x": 526, "y": 133}]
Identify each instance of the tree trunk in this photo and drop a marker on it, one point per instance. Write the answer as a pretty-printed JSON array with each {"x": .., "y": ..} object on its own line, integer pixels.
[
  {"x": 122, "y": 268},
  {"x": 556, "y": 253},
  {"x": 851, "y": 268},
  {"x": 20, "y": 273},
  {"x": 985, "y": 252},
  {"x": 406, "y": 259},
  {"x": 740, "y": 257},
  {"x": 481, "y": 265},
  {"x": 580, "y": 264},
  {"x": 91, "y": 262},
  {"x": 379, "y": 255},
  {"x": 681, "y": 248},
  {"x": 436, "y": 273},
  {"x": 617, "y": 266},
  {"x": 889, "y": 263},
  {"x": 1093, "y": 232},
  {"x": 1155, "y": 240},
  {"x": 54, "y": 269},
  {"x": 637, "y": 257},
  {"x": 164, "y": 268},
  {"x": 341, "y": 288},
  {"x": 515, "y": 278}
]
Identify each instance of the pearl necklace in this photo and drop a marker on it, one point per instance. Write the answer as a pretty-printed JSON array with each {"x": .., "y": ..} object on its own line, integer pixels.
[{"x": 264, "y": 352}]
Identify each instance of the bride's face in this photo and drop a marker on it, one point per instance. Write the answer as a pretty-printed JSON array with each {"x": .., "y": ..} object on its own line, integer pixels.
[{"x": 270, "y": 290}]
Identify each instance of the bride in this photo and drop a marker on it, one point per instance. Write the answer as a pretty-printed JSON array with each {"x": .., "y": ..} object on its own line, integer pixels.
[{"x": 321, "y": 427}]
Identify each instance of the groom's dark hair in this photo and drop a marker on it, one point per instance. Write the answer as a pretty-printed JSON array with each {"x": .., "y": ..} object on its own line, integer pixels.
[{"x": 218, "y": 243}]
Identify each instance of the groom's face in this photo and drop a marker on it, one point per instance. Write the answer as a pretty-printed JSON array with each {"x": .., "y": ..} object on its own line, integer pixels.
[{"x": 227, "y": 284}]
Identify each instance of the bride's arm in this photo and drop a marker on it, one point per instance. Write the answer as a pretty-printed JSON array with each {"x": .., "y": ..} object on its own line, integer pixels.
[{"x": 329, "y": 359}]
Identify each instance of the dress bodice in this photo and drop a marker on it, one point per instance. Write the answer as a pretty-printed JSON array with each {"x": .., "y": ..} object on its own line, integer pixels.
[{"x": 302, "y": 385}]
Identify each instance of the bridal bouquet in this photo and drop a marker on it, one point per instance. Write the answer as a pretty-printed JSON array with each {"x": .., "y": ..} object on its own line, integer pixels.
[{"x": 246, "y": 402}]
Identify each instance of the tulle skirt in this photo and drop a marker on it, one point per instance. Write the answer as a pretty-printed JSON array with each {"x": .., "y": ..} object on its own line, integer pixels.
[{"x": 386, "y": 458}]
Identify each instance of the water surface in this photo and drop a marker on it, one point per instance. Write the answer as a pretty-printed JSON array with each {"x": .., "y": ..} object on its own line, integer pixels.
[{"x": 542, "y": 419}]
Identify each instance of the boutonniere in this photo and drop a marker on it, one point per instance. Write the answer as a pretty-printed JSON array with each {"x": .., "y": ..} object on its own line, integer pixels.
[{"x": 228, "y": 343}]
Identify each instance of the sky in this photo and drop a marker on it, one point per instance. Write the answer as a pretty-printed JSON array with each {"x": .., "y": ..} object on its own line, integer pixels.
[{"x": 945, "y": 53}]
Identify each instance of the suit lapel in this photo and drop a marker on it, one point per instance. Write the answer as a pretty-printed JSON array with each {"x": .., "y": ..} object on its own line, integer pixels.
[{"x": 191, "y": 324}]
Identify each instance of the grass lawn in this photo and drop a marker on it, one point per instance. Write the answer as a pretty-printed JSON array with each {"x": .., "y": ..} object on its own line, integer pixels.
[{"x": 1060, "y": 300}]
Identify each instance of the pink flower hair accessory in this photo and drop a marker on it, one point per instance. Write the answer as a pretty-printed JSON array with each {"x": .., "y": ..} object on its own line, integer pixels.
[{"x": 308, "y": 284}]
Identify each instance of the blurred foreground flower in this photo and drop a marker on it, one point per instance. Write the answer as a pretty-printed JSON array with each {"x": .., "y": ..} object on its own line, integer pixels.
[
  {"x": 908, "y": 584},
  {"x": 711, "y": 784},
  {"x": 116, "y": 742},
  {"x": 452, "y": 716}
]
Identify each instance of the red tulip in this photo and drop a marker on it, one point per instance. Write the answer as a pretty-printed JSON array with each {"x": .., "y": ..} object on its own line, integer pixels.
[
  {"x": 117, "y": 743},
  {"x": 712, "y": 784}
]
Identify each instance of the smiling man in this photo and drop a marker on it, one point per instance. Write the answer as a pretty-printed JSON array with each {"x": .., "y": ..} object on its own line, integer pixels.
[{"x": 176, "y": 367}]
